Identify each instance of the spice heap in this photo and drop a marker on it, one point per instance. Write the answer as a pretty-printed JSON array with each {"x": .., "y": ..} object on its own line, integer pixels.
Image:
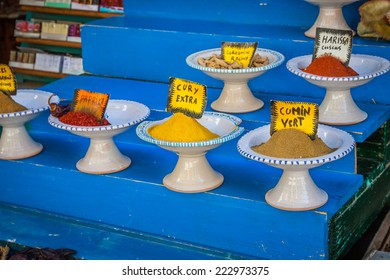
[
  {"x": 82, "y": 119},
  {"x": 8, "y": 105},
  {"x": 292, "y": 143},
  {"x": 181, "y": 128},
  {"x": 329, "y": 66},
  {"x": 31, "y": 253},
  {"x": 216, "y": 61}
]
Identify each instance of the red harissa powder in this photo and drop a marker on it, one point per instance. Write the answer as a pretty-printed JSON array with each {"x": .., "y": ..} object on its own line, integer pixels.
[
  {"x": 82, "y": 119},
  {"x": 329, "y": 66}
]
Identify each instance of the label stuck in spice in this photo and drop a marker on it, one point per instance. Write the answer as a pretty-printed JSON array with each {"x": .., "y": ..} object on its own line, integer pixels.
[
  {"x": 187, "y": 97},
  {"x": 240, "y": 52},
  {"x": 334, "y": 42},
  {"x": 94, "y": 103},
  {"x": 299, "y": 115},
  {"x": 7, "y": 80}
]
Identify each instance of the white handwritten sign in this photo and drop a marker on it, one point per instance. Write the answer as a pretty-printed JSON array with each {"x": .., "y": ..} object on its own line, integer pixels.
[{"x": 333, "y": 42}]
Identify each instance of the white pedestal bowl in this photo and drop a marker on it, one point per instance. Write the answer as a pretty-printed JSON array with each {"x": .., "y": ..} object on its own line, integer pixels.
[
  {"x": 296, "y": 190},
  {"x": 338, "y": 106},
  {"x": 103, "y": 156},
  {"x": 236, "y": 96},
  {"x": 330, "y": 15},
  {"x": 193, "y": 173},
  {"x": 15, "y": 141}
]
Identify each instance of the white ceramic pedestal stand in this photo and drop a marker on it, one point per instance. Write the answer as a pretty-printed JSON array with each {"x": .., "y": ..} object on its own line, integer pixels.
[
  {"x": 15, "y": 141},
  {"x": 296, "y": 190},
  {"x": 338, "y": 106},
  {"x": 193, "y": 173},
  {"x": 330, "y": 15},
  {"x": 103, "y": 156},
  {"x": 236, "y": 96}
]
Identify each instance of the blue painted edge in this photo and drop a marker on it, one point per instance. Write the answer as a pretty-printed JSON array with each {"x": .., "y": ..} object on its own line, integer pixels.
[{"x": 95, "y": 241}]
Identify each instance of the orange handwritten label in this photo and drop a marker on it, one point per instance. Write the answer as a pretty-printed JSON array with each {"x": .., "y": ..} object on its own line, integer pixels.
[
  {"x": 94, "y": 103},
  {"x": 299, "y": 115},
  {"x": 7, "y": 80},
  {"x": 240, "y": 52},
  {"x": 187, "y": 97}
]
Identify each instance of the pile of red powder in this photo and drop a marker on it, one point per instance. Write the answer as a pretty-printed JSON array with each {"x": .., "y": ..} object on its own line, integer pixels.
[{"x": 329, "y": 66}]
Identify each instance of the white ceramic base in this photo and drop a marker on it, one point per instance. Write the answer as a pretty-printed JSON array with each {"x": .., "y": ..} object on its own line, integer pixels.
[
  {"x": 339, "y": 108},
  {"x": 193, "y": 174},
  {"x": 296, "y": 191},
  {"x": 236, "y": 97},
  {"x": 16, "y": 143},
  {"x": 329, "y": 17},
  {"x": 103, "y": 157}
]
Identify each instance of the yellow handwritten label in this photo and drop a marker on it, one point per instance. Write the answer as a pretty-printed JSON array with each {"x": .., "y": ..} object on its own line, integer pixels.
[
  {"x": 7, "y": 80},
  {"x": 94, "y": 103},
  {"x": 187, "y": 97},
  {"x": 299, "y": 115},
  {"x": 238, "y": 51}
]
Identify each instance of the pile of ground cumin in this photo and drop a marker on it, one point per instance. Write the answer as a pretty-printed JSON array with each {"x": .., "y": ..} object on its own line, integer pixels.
[
  {"x": 8, "y": 105},
  {"x": 181, "y": 128},
  {"x": 292, "y": 143}
]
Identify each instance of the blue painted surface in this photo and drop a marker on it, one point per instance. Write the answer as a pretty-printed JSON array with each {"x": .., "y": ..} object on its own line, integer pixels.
[
  {"x": 244, "y": 12},
  {"x": 232, "y": 218},
  {"x": 104, "y": 215},
  {"x": 94, "y": 240},
  {"x": 152, "y": 42}
]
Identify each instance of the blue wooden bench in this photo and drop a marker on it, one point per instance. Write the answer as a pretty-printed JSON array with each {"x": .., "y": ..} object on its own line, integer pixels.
[{"x": 45, "y": 201}]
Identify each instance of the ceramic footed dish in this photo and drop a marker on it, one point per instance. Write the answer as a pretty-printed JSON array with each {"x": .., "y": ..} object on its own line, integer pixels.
[
  {"x": 338, "y": 106},
  {"x": 296, "y": 190},
  {"x": 103, "y": 156},
  {"x": 15, "y": 141},
  {"x": 236, "y": 96},
  {"x": 193, "y": 172}
]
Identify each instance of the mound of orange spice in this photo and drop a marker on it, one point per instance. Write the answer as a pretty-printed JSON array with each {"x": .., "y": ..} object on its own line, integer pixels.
[{"x": 329, "y": 66}]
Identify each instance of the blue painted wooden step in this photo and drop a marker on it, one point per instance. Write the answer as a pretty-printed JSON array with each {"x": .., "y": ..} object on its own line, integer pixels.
[{"x": 152, "y": 43}]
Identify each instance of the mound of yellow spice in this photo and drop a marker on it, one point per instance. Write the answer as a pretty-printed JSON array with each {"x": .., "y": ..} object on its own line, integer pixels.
[
  {"x": 292, "y": 143},
  {"x": 8, "y": 105},
  {"x": 181, "y": 128}
]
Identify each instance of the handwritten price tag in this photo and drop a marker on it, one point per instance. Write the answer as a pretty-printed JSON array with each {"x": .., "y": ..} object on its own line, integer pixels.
[
  {"x": 7, "y": 80},
  {"x": 187, "y": 97},
  {"x": 299, "y": 115},
  {"x": 94, "y": 103},
  {"x": 240, "y": 52},
  {"x": 334, "y": 42}
]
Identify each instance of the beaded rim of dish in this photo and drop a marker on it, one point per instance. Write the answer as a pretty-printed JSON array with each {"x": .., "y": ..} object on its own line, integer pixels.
[
  {"x": 142, "y": 132},
  {"x": 241, "y": 147},
  {"x": 292, "y": 66},
  {"x": 278, "y": 60},
  {"x": 29, "y": 111},
  {"x": 144, "y": 115}
]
